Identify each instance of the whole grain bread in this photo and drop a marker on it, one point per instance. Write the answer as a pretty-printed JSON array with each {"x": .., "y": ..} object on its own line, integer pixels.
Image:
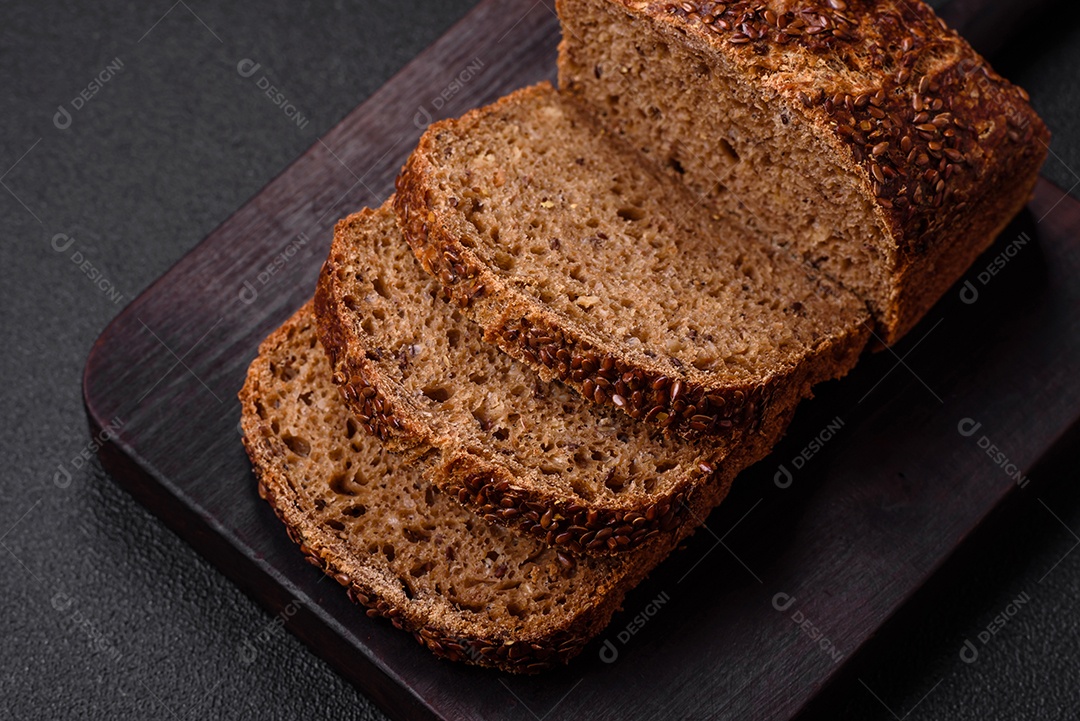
[
  {"x": 467, "y": 590},
  {"x": 579, "y": 260},
  {"x": 863, "y": 135},
  {"x": 486, "y": 429}
]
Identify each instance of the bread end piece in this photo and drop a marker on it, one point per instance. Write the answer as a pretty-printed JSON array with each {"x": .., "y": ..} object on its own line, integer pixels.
[
  {"x": 368, "y": 520},
  {"x": 865, "y": 136}
]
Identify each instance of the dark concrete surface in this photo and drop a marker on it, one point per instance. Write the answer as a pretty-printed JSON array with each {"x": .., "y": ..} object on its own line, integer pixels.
[{"x": 105, "y": 612}]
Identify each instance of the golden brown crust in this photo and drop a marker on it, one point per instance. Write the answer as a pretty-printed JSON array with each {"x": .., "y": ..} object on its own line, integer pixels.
[
  {"x": 538, "y": 338},
  {"x": 654, "y": 391},
  {"x": 501, "y": 652},
  {"x": 446, "y": 634},
  {"x": 939, "y": 141},
  {"x": 601, "y": 526},
  {"x": 355, "y": 368},
  {"x": 448, "y": 637}
]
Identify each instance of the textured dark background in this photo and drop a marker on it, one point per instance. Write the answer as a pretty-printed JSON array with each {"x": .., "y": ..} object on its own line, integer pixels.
[{"x": 107, "y": 613}]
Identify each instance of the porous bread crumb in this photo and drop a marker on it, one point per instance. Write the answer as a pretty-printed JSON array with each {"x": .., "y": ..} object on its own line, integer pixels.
[
  {"x": 468, "y": 590},
  {"x": 692, "y": 321},
  {"x": 865, "y": 137},
  {"x": 504, "y": 442}
]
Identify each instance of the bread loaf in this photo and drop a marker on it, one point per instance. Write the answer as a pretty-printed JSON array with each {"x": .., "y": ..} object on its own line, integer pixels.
[
  {"x": 484, "y": 427},
  {"x": 468, "y": 590},
  {"x": 721, "y": 206},
  {"x": 863, "y": 135},
  {"x": 579, "y": 260}
]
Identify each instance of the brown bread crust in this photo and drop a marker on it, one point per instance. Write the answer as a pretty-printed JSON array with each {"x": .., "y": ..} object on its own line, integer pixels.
[
  {"x": 654, "y": 390},
  {"x": 480, "y": 480},
  {"x": 599, "y": 586},
  {"x": 946, "y": 149}
]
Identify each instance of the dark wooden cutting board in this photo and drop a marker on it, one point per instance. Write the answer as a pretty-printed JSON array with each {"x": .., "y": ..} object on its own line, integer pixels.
[{"x": 814, "y": 551}]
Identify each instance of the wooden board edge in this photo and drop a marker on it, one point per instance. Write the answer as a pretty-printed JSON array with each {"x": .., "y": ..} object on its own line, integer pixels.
[{"x": 192, "y": 526}]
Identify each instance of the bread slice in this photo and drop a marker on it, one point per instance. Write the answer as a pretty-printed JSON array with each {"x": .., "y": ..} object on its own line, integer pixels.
[
  {"x": 577, "y": 259},
  {"x": 467, "y": 590},
  {"x": 864, "y": 136},
  {"x": 486, "y": 429}
]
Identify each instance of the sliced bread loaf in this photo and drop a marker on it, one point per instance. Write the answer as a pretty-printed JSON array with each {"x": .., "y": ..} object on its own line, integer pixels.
[
  {"x": 467, "y": 590},
  {"x": 863, "y": 135},
  {"x": 486, "y": 429},
  {"x": 579, "y": 260}
]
